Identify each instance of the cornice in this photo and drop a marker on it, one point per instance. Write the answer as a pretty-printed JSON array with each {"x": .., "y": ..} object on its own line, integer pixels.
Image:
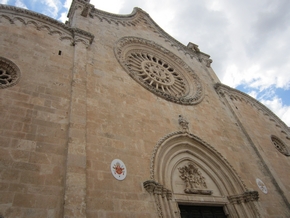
[
  {"x": 245, "y": 197},
  {"x": 235, "y": 94},
  {"x": 41, "y": 22},
  {"x": 137, "y": 16}
]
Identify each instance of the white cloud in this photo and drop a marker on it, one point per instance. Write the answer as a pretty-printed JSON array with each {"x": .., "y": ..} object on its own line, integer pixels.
[
  {"x": 53, "y": 7},
  {"x": 63, "y": 17},
  {"x": 112, "y": 6},
  {"x": 253, "y": 94},
  {"x": 4, "y": 1},
  {"x": 67, "y": 4},
  {"x": 20, "y": 4},
  {"x": 278, "y": 108}
]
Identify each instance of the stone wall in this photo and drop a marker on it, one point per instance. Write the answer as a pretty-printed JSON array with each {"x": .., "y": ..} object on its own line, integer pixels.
[
  {"x": 79, "y": 105},
  {"x": 34, "y": 120}
]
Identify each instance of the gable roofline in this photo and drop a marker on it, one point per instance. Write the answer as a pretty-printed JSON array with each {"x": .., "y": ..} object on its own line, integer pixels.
[{"x": 137, "y": 16}]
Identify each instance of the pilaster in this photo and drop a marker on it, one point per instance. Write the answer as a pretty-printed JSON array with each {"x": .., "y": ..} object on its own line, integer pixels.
[{"x": 75, "y": 183}]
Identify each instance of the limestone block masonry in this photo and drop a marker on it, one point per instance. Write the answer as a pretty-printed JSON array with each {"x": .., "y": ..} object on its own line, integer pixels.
[{"x": 106, "y": 88}]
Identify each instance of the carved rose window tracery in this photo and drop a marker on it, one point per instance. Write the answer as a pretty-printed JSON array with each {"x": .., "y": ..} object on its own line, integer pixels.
[
  {"x": 279, "y": 145},
  {"x": 159, "y": 71},
  {"x": 9, "y": 73}
]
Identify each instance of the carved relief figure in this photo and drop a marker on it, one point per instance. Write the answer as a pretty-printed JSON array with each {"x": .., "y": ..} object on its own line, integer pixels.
[
  {"x": 183, "y": 123},
  {"x": 194, "y": 181}
]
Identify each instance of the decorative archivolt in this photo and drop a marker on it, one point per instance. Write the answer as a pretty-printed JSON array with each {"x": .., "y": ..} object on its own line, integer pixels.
[
  {"x": 236, "y": 95},
  {"x": 185, "y": 169},
  {"x": 42, "y": 22},
  {"x": 181, "y": 137}
]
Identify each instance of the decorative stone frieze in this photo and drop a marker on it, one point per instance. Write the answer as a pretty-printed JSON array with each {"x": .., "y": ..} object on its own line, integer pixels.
[
  {"x": 280, "y": 146},
  {"x": 9, "y": 73},
  {"x": 42, "y": 22},
  {"x": 136, "y": 17},
  {"x": 193, "y": 179},
  {"x": 159, "y": 71},
  {"x": 246, "y": 197}
]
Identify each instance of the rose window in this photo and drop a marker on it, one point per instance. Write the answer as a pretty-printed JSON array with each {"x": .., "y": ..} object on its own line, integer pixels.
[
  {"x": 9, "y": 73},
  {"x": 159, "y": 71}
]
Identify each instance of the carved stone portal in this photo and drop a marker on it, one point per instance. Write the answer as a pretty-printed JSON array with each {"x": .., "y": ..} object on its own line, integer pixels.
[{"x": 194, "y": 181}]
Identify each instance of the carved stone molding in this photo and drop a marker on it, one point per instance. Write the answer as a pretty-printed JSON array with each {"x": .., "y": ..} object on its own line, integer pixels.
[
  {"x": 159, "y": 71},
  {"x": 136, "y": 17},
  {"x": 190, "y": 166},
  {"x": 279, "y": 145},
  {"x": 155, "y": 188},
  {"x": 9, "y": 73},
  {"x": 162, "y": 197},
  {"x": 195, "y": 138},
  {"x": 246, "y": 197},
  {"x": 236, "y": 95},
  {"x": 42, "y": 22},
  {"x": 193, "y": 179}
]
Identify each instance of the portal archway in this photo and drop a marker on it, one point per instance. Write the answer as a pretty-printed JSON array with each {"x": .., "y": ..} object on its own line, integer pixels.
[{"x": 185, "y": 170}]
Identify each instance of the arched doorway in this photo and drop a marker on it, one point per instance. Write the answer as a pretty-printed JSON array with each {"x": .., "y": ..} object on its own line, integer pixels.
[{"x": 186, "y": 172}]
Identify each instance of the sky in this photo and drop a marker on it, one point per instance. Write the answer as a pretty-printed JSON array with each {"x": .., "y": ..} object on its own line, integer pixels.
[{"x": 247, "y": 40}]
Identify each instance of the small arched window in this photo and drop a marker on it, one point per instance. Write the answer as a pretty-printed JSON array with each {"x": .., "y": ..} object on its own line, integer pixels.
[{"x": 279, "y": 145}]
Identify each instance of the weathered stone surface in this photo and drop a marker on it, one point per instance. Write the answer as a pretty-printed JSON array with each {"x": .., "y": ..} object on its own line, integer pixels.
[{"x": 76, "y": 108}]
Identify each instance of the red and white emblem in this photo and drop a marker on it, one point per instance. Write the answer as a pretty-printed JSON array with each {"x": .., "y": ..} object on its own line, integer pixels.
[{"x": 118, "y": 169}]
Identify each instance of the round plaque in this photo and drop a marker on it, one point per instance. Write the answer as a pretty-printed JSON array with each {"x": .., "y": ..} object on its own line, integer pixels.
[
  {"x": 262, "y": 186},
  {"x": 118, "y": 169}
]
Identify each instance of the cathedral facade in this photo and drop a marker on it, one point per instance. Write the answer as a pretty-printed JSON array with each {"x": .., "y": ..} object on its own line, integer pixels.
[{"x": 109, "y": 116}]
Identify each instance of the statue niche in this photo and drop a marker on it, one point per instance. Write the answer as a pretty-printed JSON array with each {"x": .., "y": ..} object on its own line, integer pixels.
[{"x": 194, "y": 181}]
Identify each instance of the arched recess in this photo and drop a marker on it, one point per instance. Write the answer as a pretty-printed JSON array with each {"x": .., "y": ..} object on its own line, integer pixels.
[{"x": 209, "y": 181}]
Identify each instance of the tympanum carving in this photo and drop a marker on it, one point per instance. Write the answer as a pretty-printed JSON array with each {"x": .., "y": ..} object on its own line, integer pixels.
[{"x": 193, "y": 179}]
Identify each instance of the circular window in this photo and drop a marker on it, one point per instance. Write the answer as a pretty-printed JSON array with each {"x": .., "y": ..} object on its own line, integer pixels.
[
  {"x": 9, "y": 73},
  {"x": 159, "y": 70},
  {"x": 279, "y": 145}
]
